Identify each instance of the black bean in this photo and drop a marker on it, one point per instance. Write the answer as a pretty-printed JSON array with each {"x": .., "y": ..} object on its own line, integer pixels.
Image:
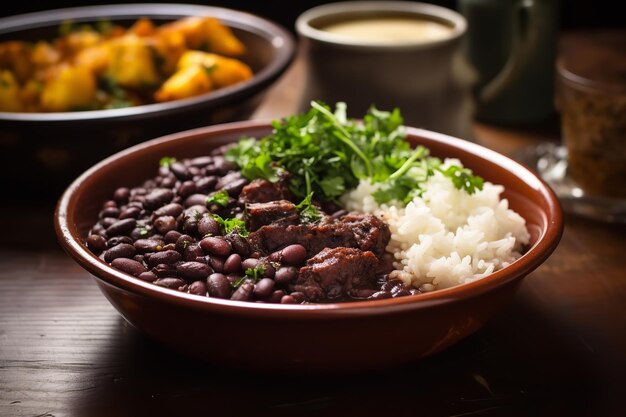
[
  {"x": 121, "y": 227},
  {"x": 110, "y": 212},
  {"x": 268, "y": 270},
  {"x": 96, "y": 243},
  {"x": 141, "y": 232},
  {"x": 164, "y": 257},
  {"x": 192, "y": 271},
  {"x": 218, "y": 286},
  {"x": 276, "y": 296},
  {"x": 284, "y": 275},
  {"x": 123, "y": 250},
  {"x": 288, "y": 299},
  {"x": 98, "y": 229},
  {"x": 208, "y": 226},
  {"x": 172, "y": 236},
  {"x": 108, "y": 221},
  {"x": 216, "y": 246},
  {"x": 243, "y": 293},
  {"x": 294, "y": 254},
  {"x": 197, "y": 288},
  {"x": 200, "y": 161},
  {"x": 171, "y": 209},
  {"x": 121, "y": 195},
  {"x": 164, "y": 224},
  {"x": 168, "y": 182},
  {"x": 139, "y": 258},
  {"x": 116, "y": 240},
  {"x": 109, "y": 203},
  {"x": 298, "y": 296},
  {"x": 186, "y": 189},
  {"x": 264, "y": 288},
  {"x": 164, "y": 270},
  {"x": 192, "y": 252},
  {"x": 232, "y": 263},
  {"x": 249, "y": 263},
  {"x": 222, "y": 165},
  {"x": 129, "y": 266},
  {"x": 206, "y": 184},
  {"x": 147, "y": 276},
  {"x": 157, "y": 198},
  {"x": 234, "y": 188},
  {"x": 216, "y": 263},
  {"x": 130, "y": 213},
  {"x": 195, "y": 199},
  {"x": 180, "y": 170},
  {"x": 169, "y": 246},
  {"x": 239, "y": 244},
  {"x": 148, "y": 245},
  {"x": 227, "y": 179},
  {"x": 169, "y": 282}
]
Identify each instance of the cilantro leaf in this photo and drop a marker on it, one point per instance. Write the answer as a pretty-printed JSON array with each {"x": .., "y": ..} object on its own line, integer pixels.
[{"x": 220, "y": 198}]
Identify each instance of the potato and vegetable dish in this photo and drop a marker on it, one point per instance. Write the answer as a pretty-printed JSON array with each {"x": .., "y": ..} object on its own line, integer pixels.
[{"x": 106, "y": 66}]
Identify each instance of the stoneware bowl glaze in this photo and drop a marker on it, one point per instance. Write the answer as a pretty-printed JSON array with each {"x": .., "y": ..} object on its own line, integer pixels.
[
  {"x": 44, "y": 152},
  {"x": 342, "y": 337}
]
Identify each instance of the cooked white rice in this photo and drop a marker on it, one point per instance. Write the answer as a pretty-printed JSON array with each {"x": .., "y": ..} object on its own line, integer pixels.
[{"x": 447, "y": 237}]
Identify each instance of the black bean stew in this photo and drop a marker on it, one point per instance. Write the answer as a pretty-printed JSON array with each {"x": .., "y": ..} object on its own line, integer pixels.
[{"x": 200, "y": 227}]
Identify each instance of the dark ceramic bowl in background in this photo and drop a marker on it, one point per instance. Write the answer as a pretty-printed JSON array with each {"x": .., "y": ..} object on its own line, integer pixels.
[
  {"x": 43, "y": 152},
  {"x": 353, "y": 336}
]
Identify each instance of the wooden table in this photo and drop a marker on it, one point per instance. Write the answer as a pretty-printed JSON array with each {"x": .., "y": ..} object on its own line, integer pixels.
[{"x": 558, "y": 350}]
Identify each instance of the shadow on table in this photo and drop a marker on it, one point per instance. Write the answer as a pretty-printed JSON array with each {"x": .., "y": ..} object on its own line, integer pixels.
[{"x": 522, "y": 364}]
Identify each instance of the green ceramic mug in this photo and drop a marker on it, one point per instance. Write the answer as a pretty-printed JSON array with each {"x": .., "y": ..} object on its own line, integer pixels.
[{"x": 511, "y": 44}]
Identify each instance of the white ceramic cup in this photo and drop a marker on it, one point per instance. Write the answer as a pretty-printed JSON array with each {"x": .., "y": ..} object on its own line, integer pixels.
[{"x": 421, "y": 77}]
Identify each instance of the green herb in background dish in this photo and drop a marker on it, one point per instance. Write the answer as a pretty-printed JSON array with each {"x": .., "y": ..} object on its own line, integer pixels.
[{"x": 327, "y": 154}]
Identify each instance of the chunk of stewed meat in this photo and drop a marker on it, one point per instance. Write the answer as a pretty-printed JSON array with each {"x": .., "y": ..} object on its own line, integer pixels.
[
  {"x": 263, "y": 191},
  {"x": 334, "y": 274},
  {"x": 361, "y": 231},
  {"x": 280, "y": 212}
]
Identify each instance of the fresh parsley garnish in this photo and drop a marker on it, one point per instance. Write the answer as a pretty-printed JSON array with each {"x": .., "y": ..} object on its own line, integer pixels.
[
  {"x": 308, "y": 212},
  {"x": 327, "y": 154},
  {"x": 166, "y": 161},
  {"x": 254, "y": 274},
  {"x": 231, "y": 225},
  {"x": 220, "y": 198}
]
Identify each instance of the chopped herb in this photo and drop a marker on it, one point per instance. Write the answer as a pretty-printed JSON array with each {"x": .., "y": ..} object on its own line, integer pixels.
[
  {"x": 166, "y": 161},
  {"x": 232, "y": 225},
  {"x": 327, "y": 154},
  {"x": 308, "y": 212},
  {"x": 220, "y": 198},
  {"x": 254, "y": 274}
]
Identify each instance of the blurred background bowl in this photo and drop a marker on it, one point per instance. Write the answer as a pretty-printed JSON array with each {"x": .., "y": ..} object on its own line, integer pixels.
[
  {"x": 349, "y": 336},
  {"x": 43, "y": 152}
]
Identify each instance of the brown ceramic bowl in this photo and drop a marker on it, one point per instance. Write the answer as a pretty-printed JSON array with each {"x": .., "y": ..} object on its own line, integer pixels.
[
  {"x": 58, "y": 147},
  {"x": 353, "y": 336}
]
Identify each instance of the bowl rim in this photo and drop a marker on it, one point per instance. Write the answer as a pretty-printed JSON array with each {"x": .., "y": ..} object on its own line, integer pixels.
[
  {"x": 546, "y": 243},
  {"x": 306, "y": 29},
  {"x": 281, "y": 40}
]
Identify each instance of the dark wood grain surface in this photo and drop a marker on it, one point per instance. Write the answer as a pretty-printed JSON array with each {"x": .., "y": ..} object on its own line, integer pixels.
[{"x": 559, "y": 349}]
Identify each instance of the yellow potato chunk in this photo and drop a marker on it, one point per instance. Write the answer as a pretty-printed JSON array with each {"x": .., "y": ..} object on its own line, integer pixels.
[
  {"x": 96, "y": 58},
  {"x": 15, "y": 56},
  {"x": 69, "y": 88},
  {"x": 223, "y": 71},
  {"x": 132, "y": 62},
  {"x": 186, "y": 82},
  {"x": 9, "y": 92},
  {"x": 206, "y": 33},
  {"x": 220, "y": 39}
]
